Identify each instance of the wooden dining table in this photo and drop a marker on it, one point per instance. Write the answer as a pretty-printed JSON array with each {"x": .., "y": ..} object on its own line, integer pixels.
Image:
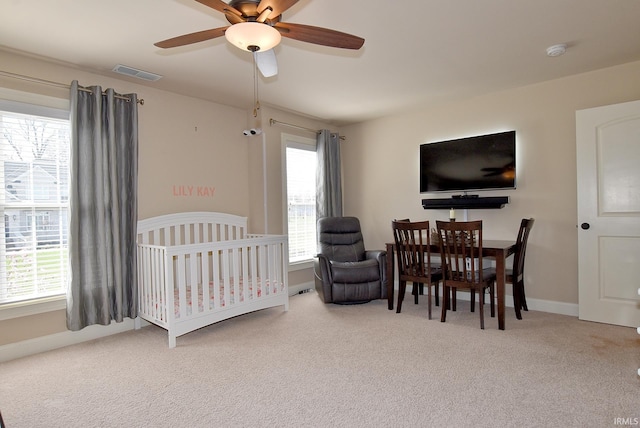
[{"x": 496, "y": 249}]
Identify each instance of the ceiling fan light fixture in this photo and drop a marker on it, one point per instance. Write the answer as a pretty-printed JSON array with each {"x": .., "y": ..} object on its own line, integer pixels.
[{"x": 249, "y": 35}]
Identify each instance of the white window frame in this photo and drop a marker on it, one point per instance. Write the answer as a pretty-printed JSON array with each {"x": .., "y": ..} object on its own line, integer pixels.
[
  {"x": 36, "y": 104},
  {"x": 304, "y": 143}
]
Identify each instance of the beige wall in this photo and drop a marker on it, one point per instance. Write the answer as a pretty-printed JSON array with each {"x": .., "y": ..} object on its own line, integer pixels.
[
  {"x": 381, "y": 168},
  {"x": 192, "y": 156},
  {"x": 184, "y": 144}
]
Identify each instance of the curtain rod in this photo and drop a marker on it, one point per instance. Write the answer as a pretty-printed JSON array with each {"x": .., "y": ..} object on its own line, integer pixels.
[
  {"x": 56, "y": 84},
  {"x": 302, "y": 128},
  {"x": 277, "y": 122}
]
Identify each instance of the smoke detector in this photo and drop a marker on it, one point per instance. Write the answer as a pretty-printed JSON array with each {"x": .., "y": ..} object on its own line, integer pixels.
[{"x": 556, "y": 50}]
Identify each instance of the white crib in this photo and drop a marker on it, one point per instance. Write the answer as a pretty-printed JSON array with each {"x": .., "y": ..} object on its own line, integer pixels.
[{"x": 198, "y": 268}]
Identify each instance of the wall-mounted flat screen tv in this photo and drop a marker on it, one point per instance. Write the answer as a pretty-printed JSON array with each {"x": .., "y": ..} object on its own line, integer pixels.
[{"x": 483, "y": 162}]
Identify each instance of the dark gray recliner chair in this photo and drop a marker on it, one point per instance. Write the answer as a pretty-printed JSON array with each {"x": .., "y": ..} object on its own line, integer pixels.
[{"x": 344, "y": 271}]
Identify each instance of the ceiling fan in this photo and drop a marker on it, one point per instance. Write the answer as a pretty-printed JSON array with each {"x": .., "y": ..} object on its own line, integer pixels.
[{"x": 256, "y": 26}]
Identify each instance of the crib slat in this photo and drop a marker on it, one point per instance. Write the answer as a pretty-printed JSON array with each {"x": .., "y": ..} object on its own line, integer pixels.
[
  {"x": 244, "y": 252},
  {"x": 225, "y": 277},
  {"x": 269, "y": 269},
  {"x": 193, "y": 283},
  {"x": 152, "y": 285},
  {"x": 215, "y": 276},
  {"x": 236, "y": 276},
  {"x": 273, "y": 268},
  {"x": 236, "y": 257},
  {"x": 197, "y": 233},
  {"x": 163, "y": 312},
  {"x": 253, "y": 272},
  {"x": 182, "y": 286},
  {"x": 205, "y": 280},
  {"x": 215, "y": 233},
  {"x": 168, "y": 310},
  {"x": 264, "y": 271},
  {"x": 176, "y": 234},
  {"x": 187, "y": 234}
]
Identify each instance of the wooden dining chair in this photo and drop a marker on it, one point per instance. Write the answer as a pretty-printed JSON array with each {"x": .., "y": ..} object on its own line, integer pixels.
[
  {"x": 418, "y": 289},
  {"x": 515, "y": 276},
  {"x": 413, "y": 252},
  {"x": 461, "y": 257}
]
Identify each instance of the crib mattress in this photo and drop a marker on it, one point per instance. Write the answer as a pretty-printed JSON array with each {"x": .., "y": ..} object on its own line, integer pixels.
[{"x": 262, "y": 288}]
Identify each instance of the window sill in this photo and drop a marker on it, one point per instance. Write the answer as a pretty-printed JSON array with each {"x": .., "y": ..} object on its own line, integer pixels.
[
  {"x": 32, "y": 307},
  {"x": 306, "y": 264}
]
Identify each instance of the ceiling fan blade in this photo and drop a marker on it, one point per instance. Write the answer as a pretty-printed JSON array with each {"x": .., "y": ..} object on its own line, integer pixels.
[
  {"x": 220, "y": 6},
  {"x": 266, "y": 62},
  {"x": 188, "y": 39},
  {"x": 277, "y": 6},
  {"x": 319, "y": 36}
]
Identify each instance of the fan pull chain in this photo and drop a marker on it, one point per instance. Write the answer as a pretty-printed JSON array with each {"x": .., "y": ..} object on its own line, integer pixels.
[{"x": 255, "y": 87}]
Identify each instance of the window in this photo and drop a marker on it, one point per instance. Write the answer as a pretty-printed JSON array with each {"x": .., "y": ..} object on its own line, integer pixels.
[
  {"x": 34, "y": 173},
  {"x": 301, "y": 198}
]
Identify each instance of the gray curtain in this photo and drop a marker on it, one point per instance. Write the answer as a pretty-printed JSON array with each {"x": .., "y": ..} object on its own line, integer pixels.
[
  {"x": 103, "y": 207},
  {"x": 328, "y": 175}
]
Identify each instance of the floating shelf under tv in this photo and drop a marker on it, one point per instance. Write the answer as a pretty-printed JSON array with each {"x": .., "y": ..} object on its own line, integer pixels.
[{"x": 465, "y": 202}]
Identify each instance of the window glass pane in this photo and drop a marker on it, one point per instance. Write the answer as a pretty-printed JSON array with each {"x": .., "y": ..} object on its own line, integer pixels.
[
  {"x": 34, "y": 173},
  {"x": 301, "y": 203}
]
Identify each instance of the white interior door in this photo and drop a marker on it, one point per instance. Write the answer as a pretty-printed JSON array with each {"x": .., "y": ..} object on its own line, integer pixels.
[{"x": 608, "y": 166}]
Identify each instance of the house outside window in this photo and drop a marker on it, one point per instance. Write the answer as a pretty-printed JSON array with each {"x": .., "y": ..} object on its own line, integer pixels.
[
  {"x": 300, "y": 174},
  {"x": 34, "y": 173}
]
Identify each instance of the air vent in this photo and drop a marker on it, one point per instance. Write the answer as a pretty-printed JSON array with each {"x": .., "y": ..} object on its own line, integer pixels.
[{"x": 133, "y": 72}]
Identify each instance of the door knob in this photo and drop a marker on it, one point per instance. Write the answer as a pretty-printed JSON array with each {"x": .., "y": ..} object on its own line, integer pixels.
[{"x": 585, "y": 226}]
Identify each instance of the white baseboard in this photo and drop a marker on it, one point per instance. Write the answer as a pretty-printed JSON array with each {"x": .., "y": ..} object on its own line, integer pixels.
[
  {"x": 62, "y": 339},
  {"x": 561, "y": 308},
  {"x": 552, "y": 307}
]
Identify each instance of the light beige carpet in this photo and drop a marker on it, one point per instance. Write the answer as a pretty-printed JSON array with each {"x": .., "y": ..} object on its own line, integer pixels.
[{"x": 337, "y": 366}]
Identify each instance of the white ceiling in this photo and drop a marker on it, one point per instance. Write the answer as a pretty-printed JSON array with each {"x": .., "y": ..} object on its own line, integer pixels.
[{"x": 416, "y": 53}]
